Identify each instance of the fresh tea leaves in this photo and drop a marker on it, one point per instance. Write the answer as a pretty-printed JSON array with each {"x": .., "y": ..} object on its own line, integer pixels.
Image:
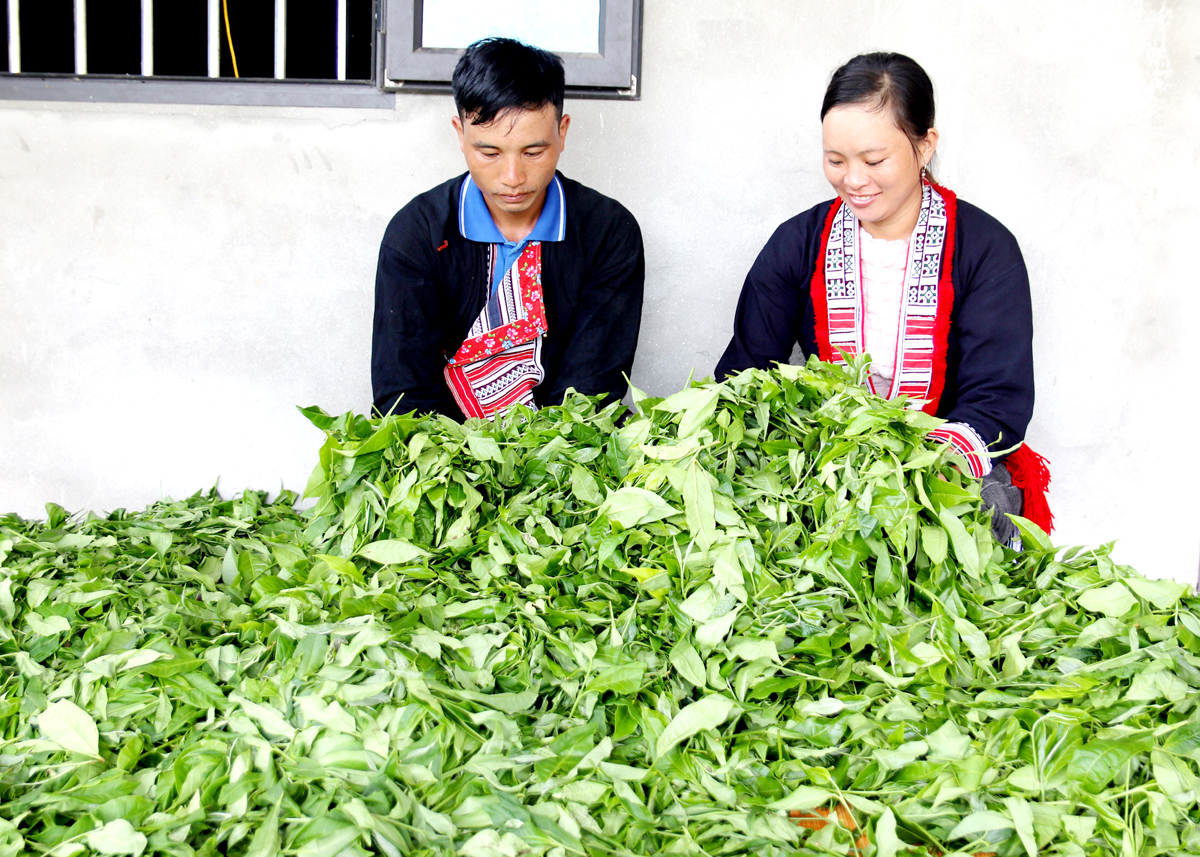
[{"x": 564, "y": 634}]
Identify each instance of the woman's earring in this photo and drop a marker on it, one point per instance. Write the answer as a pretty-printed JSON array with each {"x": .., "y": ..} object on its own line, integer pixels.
[{"x": 922, "y": 172}]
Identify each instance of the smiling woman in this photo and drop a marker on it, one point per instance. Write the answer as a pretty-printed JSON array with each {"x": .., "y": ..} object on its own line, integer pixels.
[
  {"x": 897, "y": 266},
  {"x": 871, "y": 163}
]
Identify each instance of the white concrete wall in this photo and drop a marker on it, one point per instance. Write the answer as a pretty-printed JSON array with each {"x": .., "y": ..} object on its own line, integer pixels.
[{"x": 176, "y": 279}]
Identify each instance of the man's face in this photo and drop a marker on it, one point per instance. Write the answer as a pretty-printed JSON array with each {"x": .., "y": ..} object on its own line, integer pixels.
[{"x": 512, "y": 160}]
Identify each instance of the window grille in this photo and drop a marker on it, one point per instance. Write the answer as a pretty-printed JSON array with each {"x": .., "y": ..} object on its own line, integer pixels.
[
  {"x": 290, "y": 42},
  {"x": 315, "y": 52}
]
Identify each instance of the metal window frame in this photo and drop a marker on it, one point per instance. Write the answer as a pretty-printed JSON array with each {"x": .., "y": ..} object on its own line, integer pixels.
[
  {"x": 611, "y": 73},
  {"x": 193, "y": 90},
  {"x": 400, "y": 61}
]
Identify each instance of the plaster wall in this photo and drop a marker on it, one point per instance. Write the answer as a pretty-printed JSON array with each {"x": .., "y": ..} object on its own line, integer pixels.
[{"x": 175, "y": 279}]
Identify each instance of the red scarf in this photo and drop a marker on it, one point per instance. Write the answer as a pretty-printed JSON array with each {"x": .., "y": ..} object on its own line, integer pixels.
[{"x": 497, "y": 368}]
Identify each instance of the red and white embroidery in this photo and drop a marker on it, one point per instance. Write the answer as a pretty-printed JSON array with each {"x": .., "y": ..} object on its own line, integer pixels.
[
  {"x": 924, "y": 324},
  {"x": 499, "y": 364},
  {"x": 967, "y": 443},
  {"x": 840, "y": 302}
]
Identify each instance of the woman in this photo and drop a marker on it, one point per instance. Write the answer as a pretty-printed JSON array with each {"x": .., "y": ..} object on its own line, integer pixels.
[{"x": 931, "y": 286}]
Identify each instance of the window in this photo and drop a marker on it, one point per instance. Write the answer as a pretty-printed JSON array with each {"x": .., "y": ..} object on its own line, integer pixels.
[
  {"x": 599, "y": 40},
  {"x": 295, "y": 52},
  {"x": 353, "y": 53}
]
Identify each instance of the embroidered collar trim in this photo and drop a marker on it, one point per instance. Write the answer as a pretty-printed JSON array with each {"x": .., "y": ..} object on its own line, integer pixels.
[{"x": 840, "y": 305}]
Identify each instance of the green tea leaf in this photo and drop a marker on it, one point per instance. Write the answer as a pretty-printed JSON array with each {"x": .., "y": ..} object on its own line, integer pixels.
[
  {"x": 632, "y": 506},
  {"x": 1022, "y": 817},
  {"x": 70, "y": 727},
  {"x": 392, "y": 551},
  {"x": 685, "y": 659},
  {"x": 1113, "y": 600},
  {"x": 708, "y": 713},
  {"x": 117, "y": 837},
  {"x": 698, "y": 506},
  {"x": 622, "y": 678}
]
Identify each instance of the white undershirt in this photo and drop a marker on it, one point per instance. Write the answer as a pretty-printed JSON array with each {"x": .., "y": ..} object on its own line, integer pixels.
[{"x": 884, "y": 264}]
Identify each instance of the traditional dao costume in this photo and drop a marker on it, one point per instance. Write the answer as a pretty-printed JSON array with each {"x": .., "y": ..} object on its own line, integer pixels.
[
  {"x": 463, "y": 325},
  {"x": 963, "y": 324},
  {"x": 500, "y": 362}
]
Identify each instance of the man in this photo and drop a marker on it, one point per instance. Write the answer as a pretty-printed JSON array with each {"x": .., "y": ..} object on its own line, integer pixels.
[{"x": 512, "y": 283}]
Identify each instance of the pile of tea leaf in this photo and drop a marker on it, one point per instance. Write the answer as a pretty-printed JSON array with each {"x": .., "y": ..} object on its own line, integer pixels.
[{"x": 565, "y": 635}]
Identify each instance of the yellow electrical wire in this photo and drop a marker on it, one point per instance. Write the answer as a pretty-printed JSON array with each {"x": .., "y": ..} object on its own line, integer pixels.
[{"x": 229, "y": 37}]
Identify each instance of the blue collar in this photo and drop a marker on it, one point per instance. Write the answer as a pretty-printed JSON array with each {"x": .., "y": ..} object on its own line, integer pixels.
[{"x": 475, "y": 221}]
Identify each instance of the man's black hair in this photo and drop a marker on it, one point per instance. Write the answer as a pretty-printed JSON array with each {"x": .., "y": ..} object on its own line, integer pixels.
[{"x": 496, "y": 75}]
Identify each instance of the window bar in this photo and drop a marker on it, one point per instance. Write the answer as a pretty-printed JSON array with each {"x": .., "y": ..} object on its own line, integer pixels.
[
  {"x": 147, "y": 38},
  {"x": 14, "y": 36},
  {"x": 80, "y": 37},
  {"x": 214, "y": 38},
  {"x": 341, "y": 39},
  {"x": 280, "y": 39}
]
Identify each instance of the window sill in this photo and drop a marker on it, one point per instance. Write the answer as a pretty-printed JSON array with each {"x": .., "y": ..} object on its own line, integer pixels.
[{"x": 268, "y": 93}]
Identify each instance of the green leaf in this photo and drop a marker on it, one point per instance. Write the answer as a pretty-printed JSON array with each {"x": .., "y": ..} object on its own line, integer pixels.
[
  {"x": 1095, "y": 764},
  {"x": 47, "y": 626},
  {"x": 622, "y": 679},
  {"x": 698, "y": 506},
  {"x": 1157, "y": 682},
  {"x": 70, "y": 727},
  {"x": 685, "y": 659},
  {"x": 935, "y": 543},
  {"x": 713, "y": 632},
  {"x": 974, "y": 639},
  {"x": 1184, "y": 740},
  {"x": 750, "y": 649},
  {"x": 982, "y": 822},
  {"x": 964, "y": 544},
  {"x": 1174, "y": 776},
  {"x": 266, "y": 836},
  {"x": 632, "y": 506},
  {"x": 1163, "y": 594},
  {"x": 117, "y": 837},
  {"x": 1113, "y": 600},
  {"x": 392, "y": 551},
  {"x": 584, "y": 486},
  {"x": 1022, "y": 817},
  {"x": 886, "y": 841},
  {"x": 695, "y": 405},
  {"x": 802, "y": 798},
  {"x": 948, "y": 744},
  {"x": 827, "y": 707},
  {"x": 509, "y": 703},
  {"x": 708, "y": 713},
  {"x": 727, "y": 570},
  {"x": 484, "y": 448}
]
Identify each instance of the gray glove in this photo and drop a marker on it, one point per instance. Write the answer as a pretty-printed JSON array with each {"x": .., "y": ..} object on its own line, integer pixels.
[{"x": 1003, "y": 498}]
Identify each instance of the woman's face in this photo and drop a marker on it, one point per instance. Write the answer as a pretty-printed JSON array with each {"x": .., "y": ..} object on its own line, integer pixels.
[{"x": 872, "y": 165}]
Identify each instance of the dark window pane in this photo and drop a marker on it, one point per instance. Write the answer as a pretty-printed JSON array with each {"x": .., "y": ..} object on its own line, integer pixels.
[
  {"x": 47, "y": 36},
  {"x": 252, "y": 29},
  {"x": 114, "y": 37},
  {"x": 181, "y": 38},
  {"x": 360, "y": 29},
  {"x": 4, "y": 38},
  {"x": 312, "y": 39}
]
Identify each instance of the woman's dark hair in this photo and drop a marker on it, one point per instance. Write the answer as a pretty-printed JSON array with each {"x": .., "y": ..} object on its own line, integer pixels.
[
  {"x": 497, "y": 75},
  {"x": 885, "y": 80}
]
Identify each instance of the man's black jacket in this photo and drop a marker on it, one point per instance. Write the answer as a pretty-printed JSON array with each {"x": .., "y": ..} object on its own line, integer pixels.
[{"x": 432, "y": 283}]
